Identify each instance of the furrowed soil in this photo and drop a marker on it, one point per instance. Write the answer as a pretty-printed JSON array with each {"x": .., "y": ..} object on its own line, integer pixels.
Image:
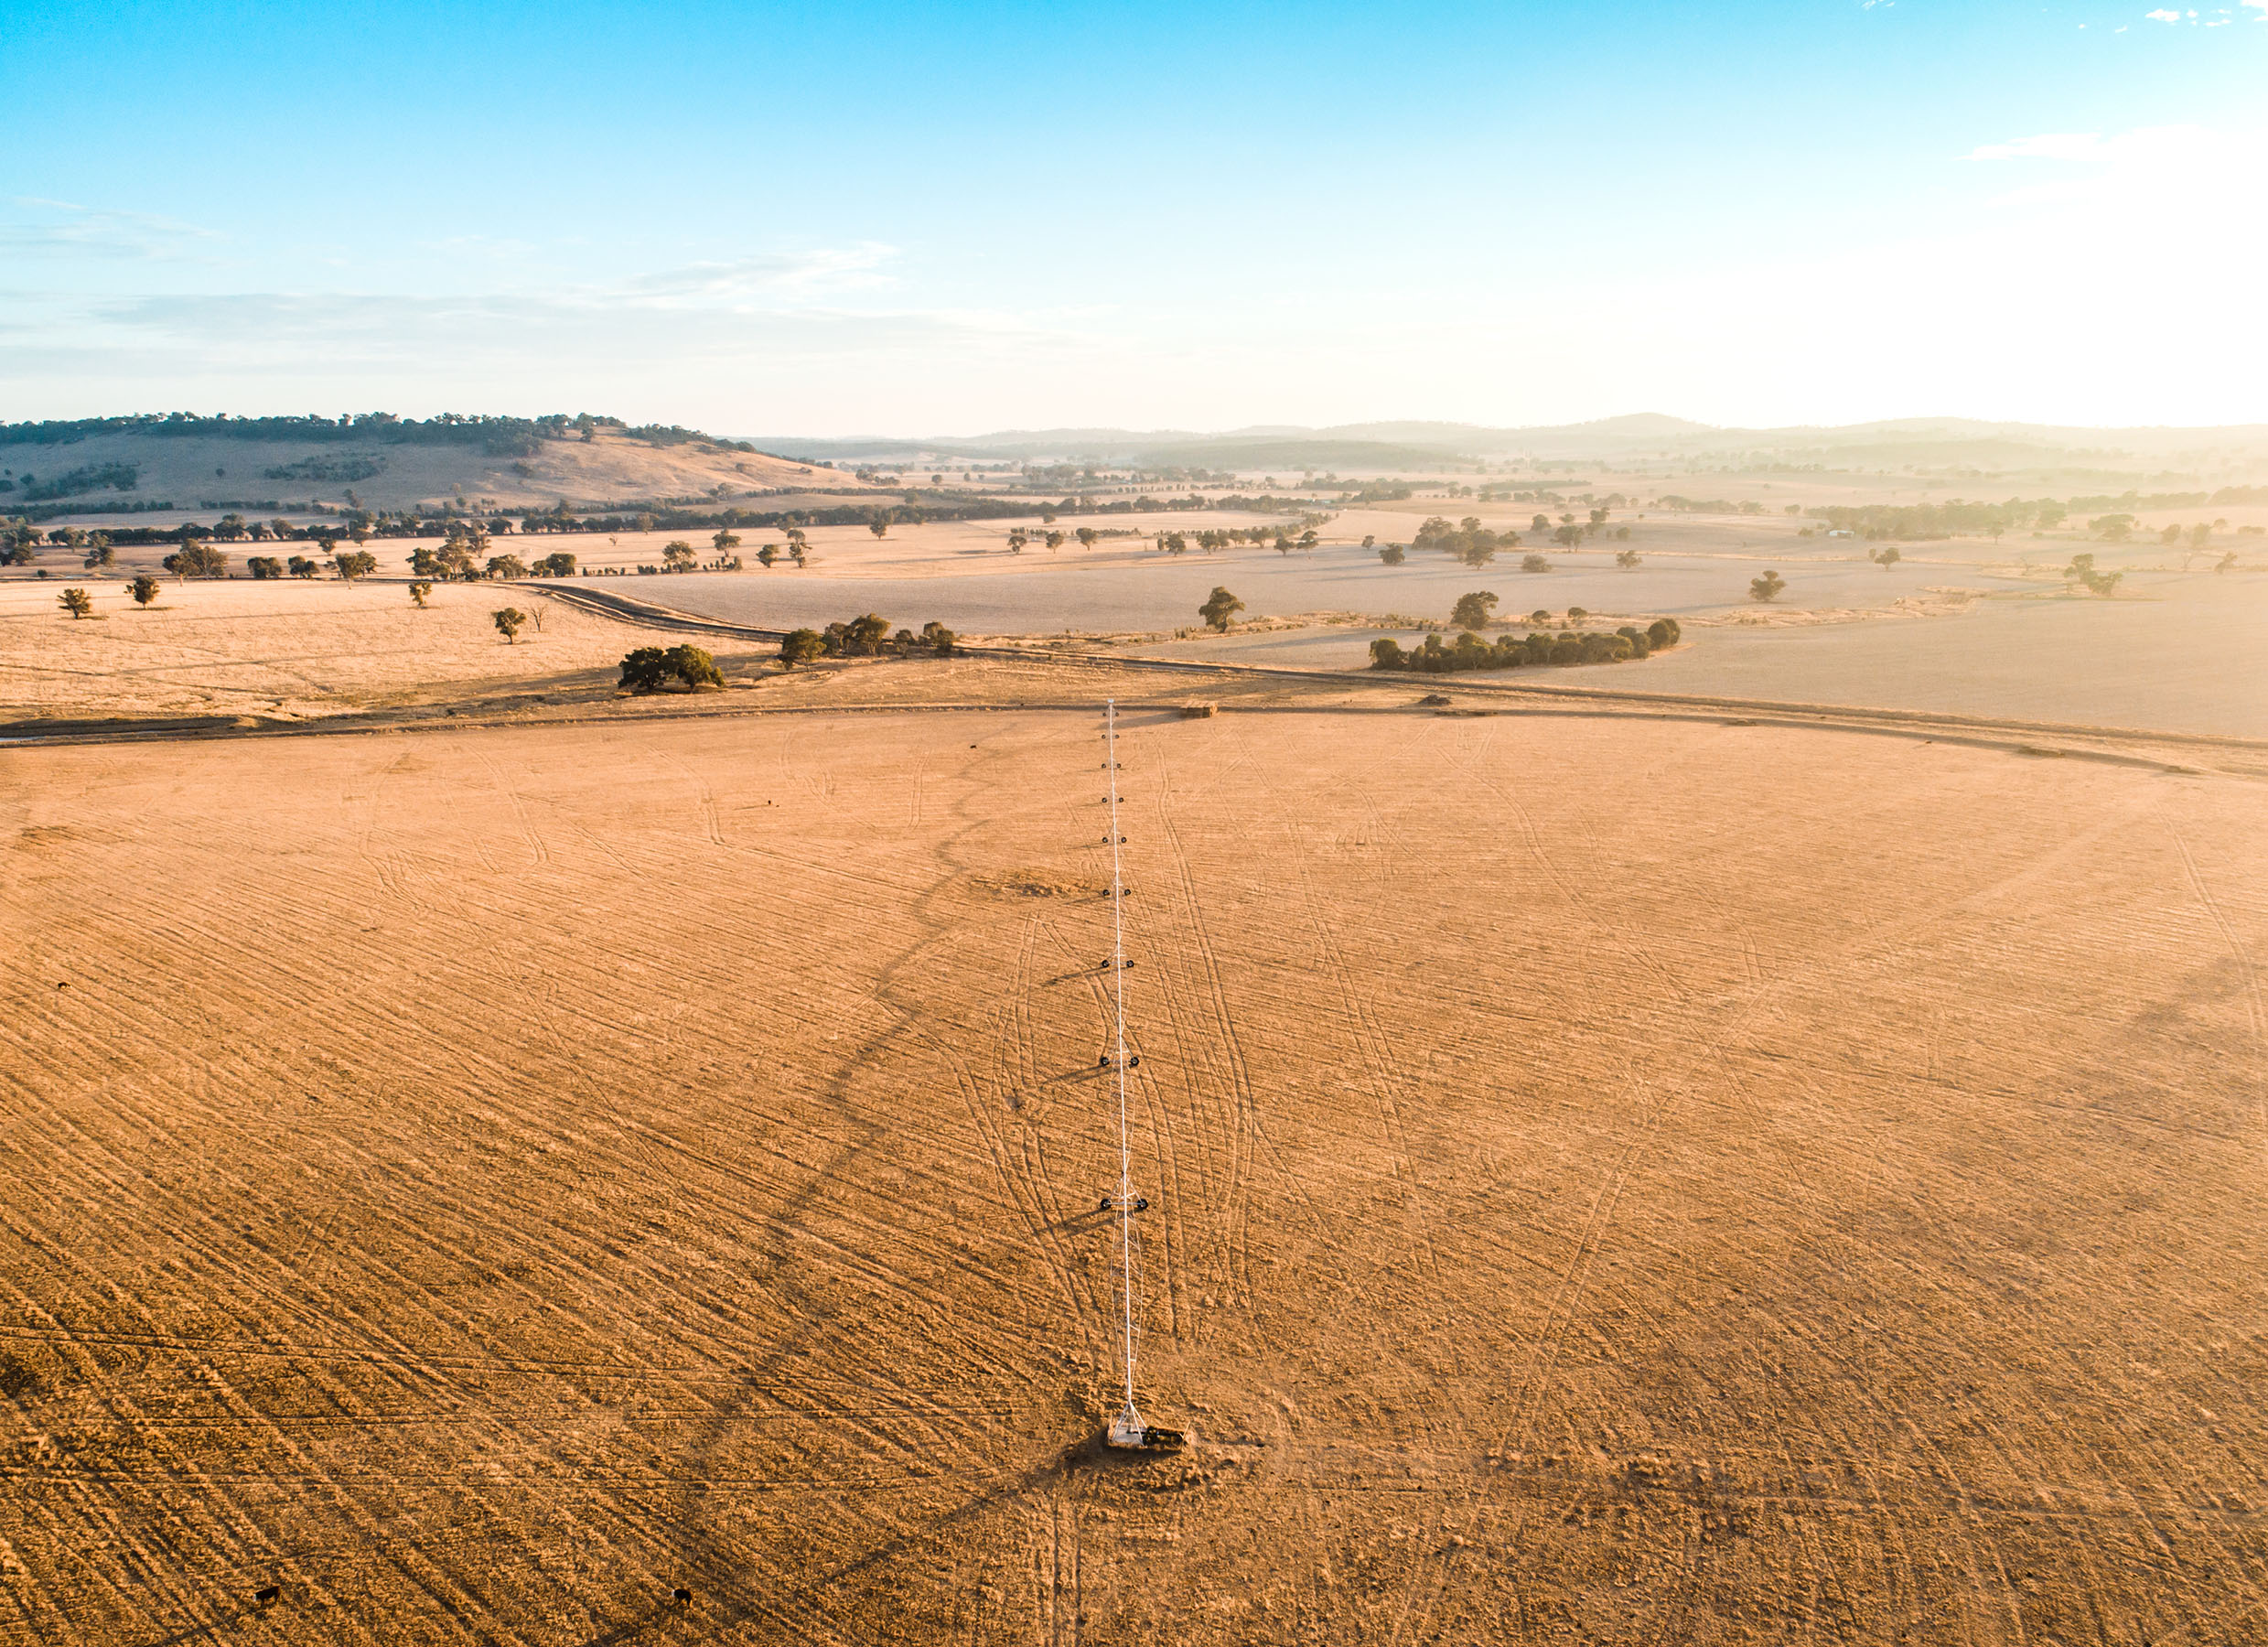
[{"x": 1609, "y": 1180}]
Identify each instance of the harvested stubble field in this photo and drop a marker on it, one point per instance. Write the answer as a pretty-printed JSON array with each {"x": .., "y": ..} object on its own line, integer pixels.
[{"x": 1611, "y": 1180}]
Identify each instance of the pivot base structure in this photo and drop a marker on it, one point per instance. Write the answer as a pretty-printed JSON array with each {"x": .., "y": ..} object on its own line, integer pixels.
[{"x": 1128, "y": 1433}]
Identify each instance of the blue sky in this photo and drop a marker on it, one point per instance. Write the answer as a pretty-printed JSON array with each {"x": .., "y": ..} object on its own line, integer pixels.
[{"x": 942, "y": 219}]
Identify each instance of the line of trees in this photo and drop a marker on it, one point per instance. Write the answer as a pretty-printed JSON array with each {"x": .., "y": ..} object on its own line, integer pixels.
[
  {"x": 508, "y": 436},
  {"x": 867, "y": 636},
  {"x": 1565, "y": 649}
]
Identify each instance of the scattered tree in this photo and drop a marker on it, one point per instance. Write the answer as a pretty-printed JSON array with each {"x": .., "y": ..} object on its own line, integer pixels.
[
  {"x": 938, "y": 639},
  {"x": 77, "y": 602},
  {"x": 767, "y": 554},
  {"x": 2082, "y": 571},
  {"x": 1540, "y": 617},
  {"x": 143, "y": 589},
  {"x": 1626, "y": 558},
  {"x": 1577, "y": 617},
  {"x": 360, "y": 563},
  {"x": 679, "y": 556},
  {"x": 726, "y": 540},
  {"x": 419, "y": 592},
  {"x": 1393, "y": 555},
  {"x": 1888, "y": 555},
  {"x": 880, "y": 525},
  {"x": 801, "y": 646},
  {"x": 501, "y": 566},
  {"x": 1472, "y": 611},
  {"x": 507, "y": 620},
  {"x": 263, "y": 566},
  {"x": 1534, "y": 563},
  {"x": 303, "y": 566},
  {"x": 1086, "y": 537},
  {"x": 1766, "y": 588},
  {"x": 1219, "y": 610}
]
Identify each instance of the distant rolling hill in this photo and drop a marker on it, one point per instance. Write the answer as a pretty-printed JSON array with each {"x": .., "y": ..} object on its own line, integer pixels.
[
  {"x": 115, "y": 465},
  {"x": 1646, "y": 436}
]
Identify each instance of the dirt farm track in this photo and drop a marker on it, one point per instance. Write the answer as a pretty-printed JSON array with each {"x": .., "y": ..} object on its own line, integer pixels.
[{"x": 1611, "y": 1181}]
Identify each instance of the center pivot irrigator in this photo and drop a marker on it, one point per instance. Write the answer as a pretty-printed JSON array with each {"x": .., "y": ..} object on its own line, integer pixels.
[{"x": 1128, "y": 1429}]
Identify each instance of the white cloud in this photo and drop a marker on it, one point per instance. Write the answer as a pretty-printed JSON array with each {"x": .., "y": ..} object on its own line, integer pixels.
[
  {"x": 2048, "y": 145},
  {"x": 839, "y": 268},
  {"x": 2162, "y": 17},
  {"x": 62, "y": 229}
]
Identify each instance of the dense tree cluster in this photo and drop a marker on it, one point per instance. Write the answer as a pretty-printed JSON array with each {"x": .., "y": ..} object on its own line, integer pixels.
[
  {"x": 652, "y": 668},
  {"x": 1469, "y": 540},
  {"x": 867, "y": 636},
  {"x": 91, "y": 476},
  {"x": 1566, "y": 647}
]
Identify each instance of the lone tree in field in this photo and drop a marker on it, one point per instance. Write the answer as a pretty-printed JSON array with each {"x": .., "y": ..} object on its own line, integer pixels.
[
  {"x": 650, "y": 669},
  {"x": 1534, "y": 563},
  {"x": 880, "y": 525},
  {"x": 1086, "y": 537},
  {"x": 1219, "y": 610},
  {"x": 418, "y": 592},
  {"x": 143, "y": 589},
  {"x": 507, "y": 620},
  {"x": 799, "y": 646},
  {"x": 1472, "y": 611},
  {"x": 1626, "y": 558},
  {"x": 1540, "y": 617},
  {"x": 1766, "y": 588},
  {"x": 726, "y": 540},
  {"x": 355, "y": 563},
  {"x": 767, "y": 554},
  {"x": 1393, "y": 555},
  {"x": 1885, "y": 557},
  {"x": 77, "y": 602}
]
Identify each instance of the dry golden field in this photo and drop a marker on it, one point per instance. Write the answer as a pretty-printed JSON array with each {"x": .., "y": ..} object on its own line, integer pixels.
[{"x": 1612, "y": 1180}]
